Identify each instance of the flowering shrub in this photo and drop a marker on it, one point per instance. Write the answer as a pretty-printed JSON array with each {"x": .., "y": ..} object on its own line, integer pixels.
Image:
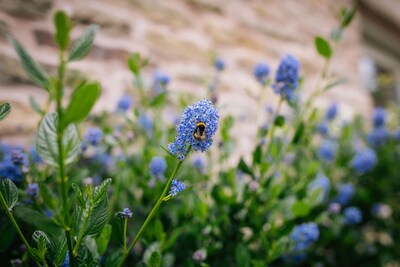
[{"x": 314, "y": 191}]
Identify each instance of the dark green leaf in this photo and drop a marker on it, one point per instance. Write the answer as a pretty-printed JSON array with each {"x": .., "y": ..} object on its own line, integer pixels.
[
  {"x": 299, "y": 133},
  {"x": 5, "y": 110},
  {"x": 114, "y": 258},
  {"x": 244, "y": 167},
  {"x": 300, "y": 209},
  {"x": 46, "y": 141},
  {"x": 279, "y": 121},
  {"x": 77, "y": 220},
  {"x": 31, "y": 67},
  {"x": 97, "y": 218},
  {"x": 8, "y": 233},
  {"x": 83, "y": 44},
  {"x": 60, "y": 252},
  {"x": 257, "y": 155},
  {"x": 242, "y": 256},
  {"x": 37, "y": 219},
  {"x": 83, "y": 99},
  {"x": 323, "y": 47},
  {"x": 35, "y": 105},
  {"x": 155, "y": 259},
  {"x": 103, "y": 239},
  {"x": 118, "y": 227},
  {"x": 63, "y": 28},
  {"x": 347, "y": 16},
  {"x": 79, "y": 195},
  {"x": 48, "y": 196},
  {"x": 43, "y": 242},
  {"x": 9, "y": 192},
  {"x": 100, "y": 192}
]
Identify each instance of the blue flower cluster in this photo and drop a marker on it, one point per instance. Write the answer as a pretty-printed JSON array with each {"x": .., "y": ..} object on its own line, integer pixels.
[
  {"x": 287, "y": 77},
  {"x": 321, "y": 182},
  {"x": 219, "y": 64},
  {"x": 304, "y": 235},
  {"x": 32, "y": 190},
  {"x": 261, "y": 73},
  {"x": 352, "y": 215},
  {"x": 11, "y": 171},
  {"x": 176, "y": 187},
  {"x": 157, "y": 167},
  {"x": 124, "y": 103},
  {"x": 379, "y": 117},
  {"x": 327, "y": 150},
  {"x": 378, "y": 134},
  {"x": 331, "y": 112},
  {"x": 14, "y": 161},
  {"x": 204, "y": 112},
  {"x": 93, "y": 136},
  {"x": 147, "y": 124},
  {"x": 364, "y": 160},
  {"x": 346, "y": 192},
  {"x": 323, "y": 128},
  {"x": 160, "y": 82},
  {"x": 126, "y": 213}
]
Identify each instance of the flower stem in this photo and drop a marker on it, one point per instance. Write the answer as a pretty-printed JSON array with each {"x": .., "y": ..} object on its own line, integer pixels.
[
  {"x": 271, "y": 132},
  {"x": 151, "y": 214},
  {"x": 9, "y": 214}
]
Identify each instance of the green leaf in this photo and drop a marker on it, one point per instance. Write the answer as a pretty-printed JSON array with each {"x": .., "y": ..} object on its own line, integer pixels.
[
  {"x": 60, "y": 252},
  {"x": 155, "y": 259},
  {"x": 37, "y": 219},
  {"x": 43, "y": 242},
  {"x": 5, "y": 110},
  {"x": 299, "y": 133},
  {"x": 336, "y": 83},
  {"x": 83, "y": 44},
  {"x": 100, "y": 192},
  {"x": 97, "y": 219},
  {"x": 35, "y": 105},
  {"x": 79, "y": 195},
  {"x": 347, "y": 16},
  {"x": 8, "y": 234},
  {"x": 135, "y": 63},
  {"x": 118, "y": 227},
  {"x": 31, "y": 67},
  {"x": 257, "y": 155},
  {"x": 9, "y": 192},
  {"x": 63, "y": 28},
  {"x": 279, "y": 121},
  {"x": 46, "y": 141},
  {"x": 244, "y": 167},
  {"x": 82, "y": 100},
  {"x": 323, "y": 47},
  {"x": 158, "y": 100},
  {"x": 103, "y": 239},
  {"x": 300, "y": 209},
  {"x": 114, "y": 258},
  {"x": 242, "y": 256}
]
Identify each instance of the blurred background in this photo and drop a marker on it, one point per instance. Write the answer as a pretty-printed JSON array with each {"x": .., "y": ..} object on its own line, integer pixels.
[{"x": 180, "y": 38}]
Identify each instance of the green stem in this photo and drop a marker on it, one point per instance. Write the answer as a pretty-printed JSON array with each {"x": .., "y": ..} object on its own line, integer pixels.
[
  {"x": 9, "y": 214},
  {"x": 61, "y": 158},
  {"x": 152, "y": 213},
  {"x": 271, "y": 132},
  {"x": 125, "y": 226}
]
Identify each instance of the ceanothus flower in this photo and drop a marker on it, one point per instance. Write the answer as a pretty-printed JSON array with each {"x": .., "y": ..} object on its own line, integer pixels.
[
  {"x": 377, "y": 136},
  {"x": 261, "y": 72},
  {"x": 322, "y": 128},
  {"x": 327, "y": 150},
  {"x": 18, "y": 157},
  {"x": 176, "y": 187},
  {"x": 304, "y": 235},
  {"x": 287, "y": 77},
  {"x": 11, "y": 171},
  {"x": 157, "y": 167},
  {"x": 202, "y": 113},
  {"x": 331, "y": 112},
  {"x": 198, "y": 163},
  {"x": 379, "y": 117},
  {"x": 352, "y": 215},
  {"x": 161, "y": 81},
  {"x": 219, "y": 64},
  {"x": 93, "y": 136},
  {"x": 126, "y": 213},
  {"x": 395, "y": 135},
  {"x": 32, "y": 190},
  {"x": 147, "y": 123},
  {"x": 364, "y": 160},
  {"x": 35, "y": 157},
  {"x": 124, "y": 103},
  {"x": 346, "y": 192}
]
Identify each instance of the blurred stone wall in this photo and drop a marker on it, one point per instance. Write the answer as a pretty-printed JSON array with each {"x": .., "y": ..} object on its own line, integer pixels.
[{"x": 178, "y": 35}]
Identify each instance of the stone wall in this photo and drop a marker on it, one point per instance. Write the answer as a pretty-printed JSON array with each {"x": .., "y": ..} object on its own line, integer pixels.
[{"x": 178, "y": 36}]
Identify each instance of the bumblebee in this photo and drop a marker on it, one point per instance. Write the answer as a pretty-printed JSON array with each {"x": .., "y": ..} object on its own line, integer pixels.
[{"x": 200, "y": 132}]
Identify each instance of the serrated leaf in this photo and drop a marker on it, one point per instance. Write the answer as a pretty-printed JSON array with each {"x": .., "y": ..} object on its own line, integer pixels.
[
  {"x": 35, "y": 105},
  {"x": 37, "y": 219},
  {"x": 83, "y": 44},
  {"x": 279, "y": 121},
  {"x": 114, "y": 258},
  {"x": 46, "y": 141},
  {"x": 301, "y": 209},
  {"x": 79, "y": 195},
  {"x": 82, "y": 101},
  {"x": 97, "y": 218},
  {"x": 63, "y": 28},
  {"x": 9, "y": 192},
  {"x": 42, "y": 241},
  {"x": 118, "y": 227},
  {"x": 60, "y": 252},
  {"x": 323, "y": 47},
  {"x": 103, "y": 239},
  {"x": 100, "y": 192},
  {"x": 77, "y": 220},
  {"x": 5, "y": 110},
  {"x": 155, "y": 259},
  {"x": 31, "y": 67}
]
